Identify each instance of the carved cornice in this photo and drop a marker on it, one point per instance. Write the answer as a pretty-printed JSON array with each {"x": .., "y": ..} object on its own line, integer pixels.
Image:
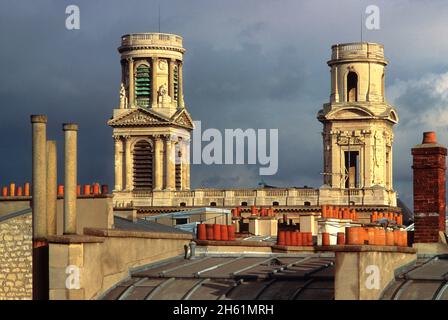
[
  {"x": 149, "y": 47},
  {"x": 350, "y": 140}
]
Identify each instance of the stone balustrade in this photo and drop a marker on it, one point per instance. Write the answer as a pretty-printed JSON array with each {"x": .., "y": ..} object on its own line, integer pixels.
[
  {"x": 259, "y": 197},
  {"x": 164, "y": 39},
  {"x": 361, "y": 50}
]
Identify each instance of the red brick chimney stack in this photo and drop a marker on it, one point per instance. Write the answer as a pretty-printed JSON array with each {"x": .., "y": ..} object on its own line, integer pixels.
[{"x": 429, "y": 166}]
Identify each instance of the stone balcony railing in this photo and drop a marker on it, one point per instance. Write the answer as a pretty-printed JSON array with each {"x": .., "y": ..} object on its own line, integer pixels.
[
  {"x": 164, "y": 39},
  {"x": 357, "y": 50},
  {"x": 258, "y": 197}
]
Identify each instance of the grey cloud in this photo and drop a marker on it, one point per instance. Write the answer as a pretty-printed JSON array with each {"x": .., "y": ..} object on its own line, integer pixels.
[{"x": 249, "y": 64}]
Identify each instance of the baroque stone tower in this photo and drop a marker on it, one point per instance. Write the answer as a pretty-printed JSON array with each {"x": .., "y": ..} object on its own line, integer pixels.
[
  {"x": 151, "y": 126},
  {"x": 358, "y": 126}
]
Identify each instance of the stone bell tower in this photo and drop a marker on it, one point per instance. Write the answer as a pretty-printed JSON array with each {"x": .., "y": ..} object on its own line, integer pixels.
[
  {"x": 358, "y": 126},
  {"x": 151, "y": 125}
]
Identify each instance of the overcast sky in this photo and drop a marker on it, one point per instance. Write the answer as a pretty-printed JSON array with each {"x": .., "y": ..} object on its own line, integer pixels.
[{"x": 249, "y": 64}]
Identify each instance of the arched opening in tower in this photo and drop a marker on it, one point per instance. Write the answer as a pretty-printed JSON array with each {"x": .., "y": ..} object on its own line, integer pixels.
[
  {"x": 143, "y": 165},
  {"x": 352, "y": 87}
]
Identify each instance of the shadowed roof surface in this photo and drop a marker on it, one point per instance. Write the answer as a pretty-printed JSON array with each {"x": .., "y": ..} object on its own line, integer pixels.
[
  {"x": 232, "y": 277},
  {"x": 424, "y": 279}
]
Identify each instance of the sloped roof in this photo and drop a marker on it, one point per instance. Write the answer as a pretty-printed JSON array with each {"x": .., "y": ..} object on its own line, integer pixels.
[
  {"x": 232, "y": 277},
  {"x": 143, "y": 225},
  {"x": 424, "y": 279}
]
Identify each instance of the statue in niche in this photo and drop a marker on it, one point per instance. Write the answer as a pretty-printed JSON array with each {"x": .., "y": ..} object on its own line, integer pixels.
[
  {"x": 123, "y": 98},
  {"x": 164, "y": 98}
]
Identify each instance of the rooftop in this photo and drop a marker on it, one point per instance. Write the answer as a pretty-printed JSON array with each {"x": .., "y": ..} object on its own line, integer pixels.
[
  {"x": 146, "y": 39},
  {"x": 424, "y": 279},
  {"x": 232, "y": 277}
]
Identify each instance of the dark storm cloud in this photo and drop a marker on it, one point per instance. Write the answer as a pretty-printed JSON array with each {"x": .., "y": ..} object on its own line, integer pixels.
[{"x": 249, "y": 64}]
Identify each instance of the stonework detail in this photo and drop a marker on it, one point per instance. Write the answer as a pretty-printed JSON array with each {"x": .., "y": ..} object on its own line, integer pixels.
[
  {"x": 16, "y": 258},
  {"x": 157, "y": 123},
  {"x": 358, "y": 123}
]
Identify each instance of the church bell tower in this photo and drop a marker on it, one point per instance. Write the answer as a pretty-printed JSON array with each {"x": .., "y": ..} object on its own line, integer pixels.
[
  {"x": 151, "y": 125},
  {"x": 358, "y": 126}
]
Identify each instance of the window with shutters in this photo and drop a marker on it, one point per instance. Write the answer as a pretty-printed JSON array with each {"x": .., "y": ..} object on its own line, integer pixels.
[
  {"x": 178, "y": 168},
  {"x": 143, "y": 85},
  {"x": 176, "y": 83},
  {"x": 143, "y": 166}
]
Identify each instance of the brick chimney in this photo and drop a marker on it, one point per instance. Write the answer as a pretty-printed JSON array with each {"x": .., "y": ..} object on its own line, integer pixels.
[{"x": 429, "y": 168}]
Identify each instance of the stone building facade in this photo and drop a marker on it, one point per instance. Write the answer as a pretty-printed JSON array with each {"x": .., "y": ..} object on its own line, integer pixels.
[
  {"x": 152, "y": 130},
  {"x": 16, "y": 257}
]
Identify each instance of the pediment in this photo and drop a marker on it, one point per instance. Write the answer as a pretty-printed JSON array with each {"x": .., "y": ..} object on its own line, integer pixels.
[
  {"x": 183, "y": 119},
  {"x": 350, "y": 113},
  {"x": 138, "y": 117}
]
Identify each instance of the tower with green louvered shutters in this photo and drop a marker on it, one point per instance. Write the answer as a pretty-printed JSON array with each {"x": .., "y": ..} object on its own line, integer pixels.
[{"x": 152, "y": 72}]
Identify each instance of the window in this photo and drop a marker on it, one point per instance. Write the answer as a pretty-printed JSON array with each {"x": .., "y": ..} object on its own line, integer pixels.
[
  {"x": 143, "y": 155},
  {"x": 176, "y": 83},
  {"x": 178, "y": 166},
  {"x": 351, "y": 169},
  {"x": 307, "y": 203},
  {"x": 181, "y": 221},
  {"x": 352, "y": 87},
  {"x": 275, "y": 203},
  {"x": 183, "y": 204},
  {"x": 212, "y": 204},
  {"x": 143, "y": 85},
  {"x": 244, "y": 204}
]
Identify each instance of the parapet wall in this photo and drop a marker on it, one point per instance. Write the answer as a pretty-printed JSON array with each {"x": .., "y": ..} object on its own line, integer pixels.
[{"x": 104, "y": 258}]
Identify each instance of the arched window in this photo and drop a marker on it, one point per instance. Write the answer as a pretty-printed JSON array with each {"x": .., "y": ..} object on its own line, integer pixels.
[
  {"x": 143, "y": 170},
  {"x": 244, "y": 204},
  {"x": 275, "y": 203},
  {"x": 212, "y": 204},
  {"x": 183, "y": 204},
  {"x": 143, "y": 85},
  {"x": 382, "y": 86},
  {"x": 352, "y": 87},
  {"x": 307, "y": 203},
  {"x": 176, "y": 83}
]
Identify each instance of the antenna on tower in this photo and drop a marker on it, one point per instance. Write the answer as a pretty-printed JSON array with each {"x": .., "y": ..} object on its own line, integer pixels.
[
  {"x": 361, "y": 26},
  {"x": 159, "y": 17}
]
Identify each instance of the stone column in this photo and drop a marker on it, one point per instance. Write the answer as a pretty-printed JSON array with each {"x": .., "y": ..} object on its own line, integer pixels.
[
  {"x": 118, "y": 163},
  {"x": 70, "y": 159},
  {"x": 131, "y": 89},
  {"x": 172, "y": 63},
  {"x": 158, "y": 163},
  {"x": 51, "y": 187},
  {"x": 336, "y": 84},
  {"x": 429, "y": 166},
  {"x": 39, "y": 200},
  {"x": 128, "y": 164},
  {"x": 40, "y": 258},
  {"x": 154, "y": 84},
  {"x": 170, "y": 164},
  {"x": 185, "y": 165},
  {"x": 181, "y": 86}
]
